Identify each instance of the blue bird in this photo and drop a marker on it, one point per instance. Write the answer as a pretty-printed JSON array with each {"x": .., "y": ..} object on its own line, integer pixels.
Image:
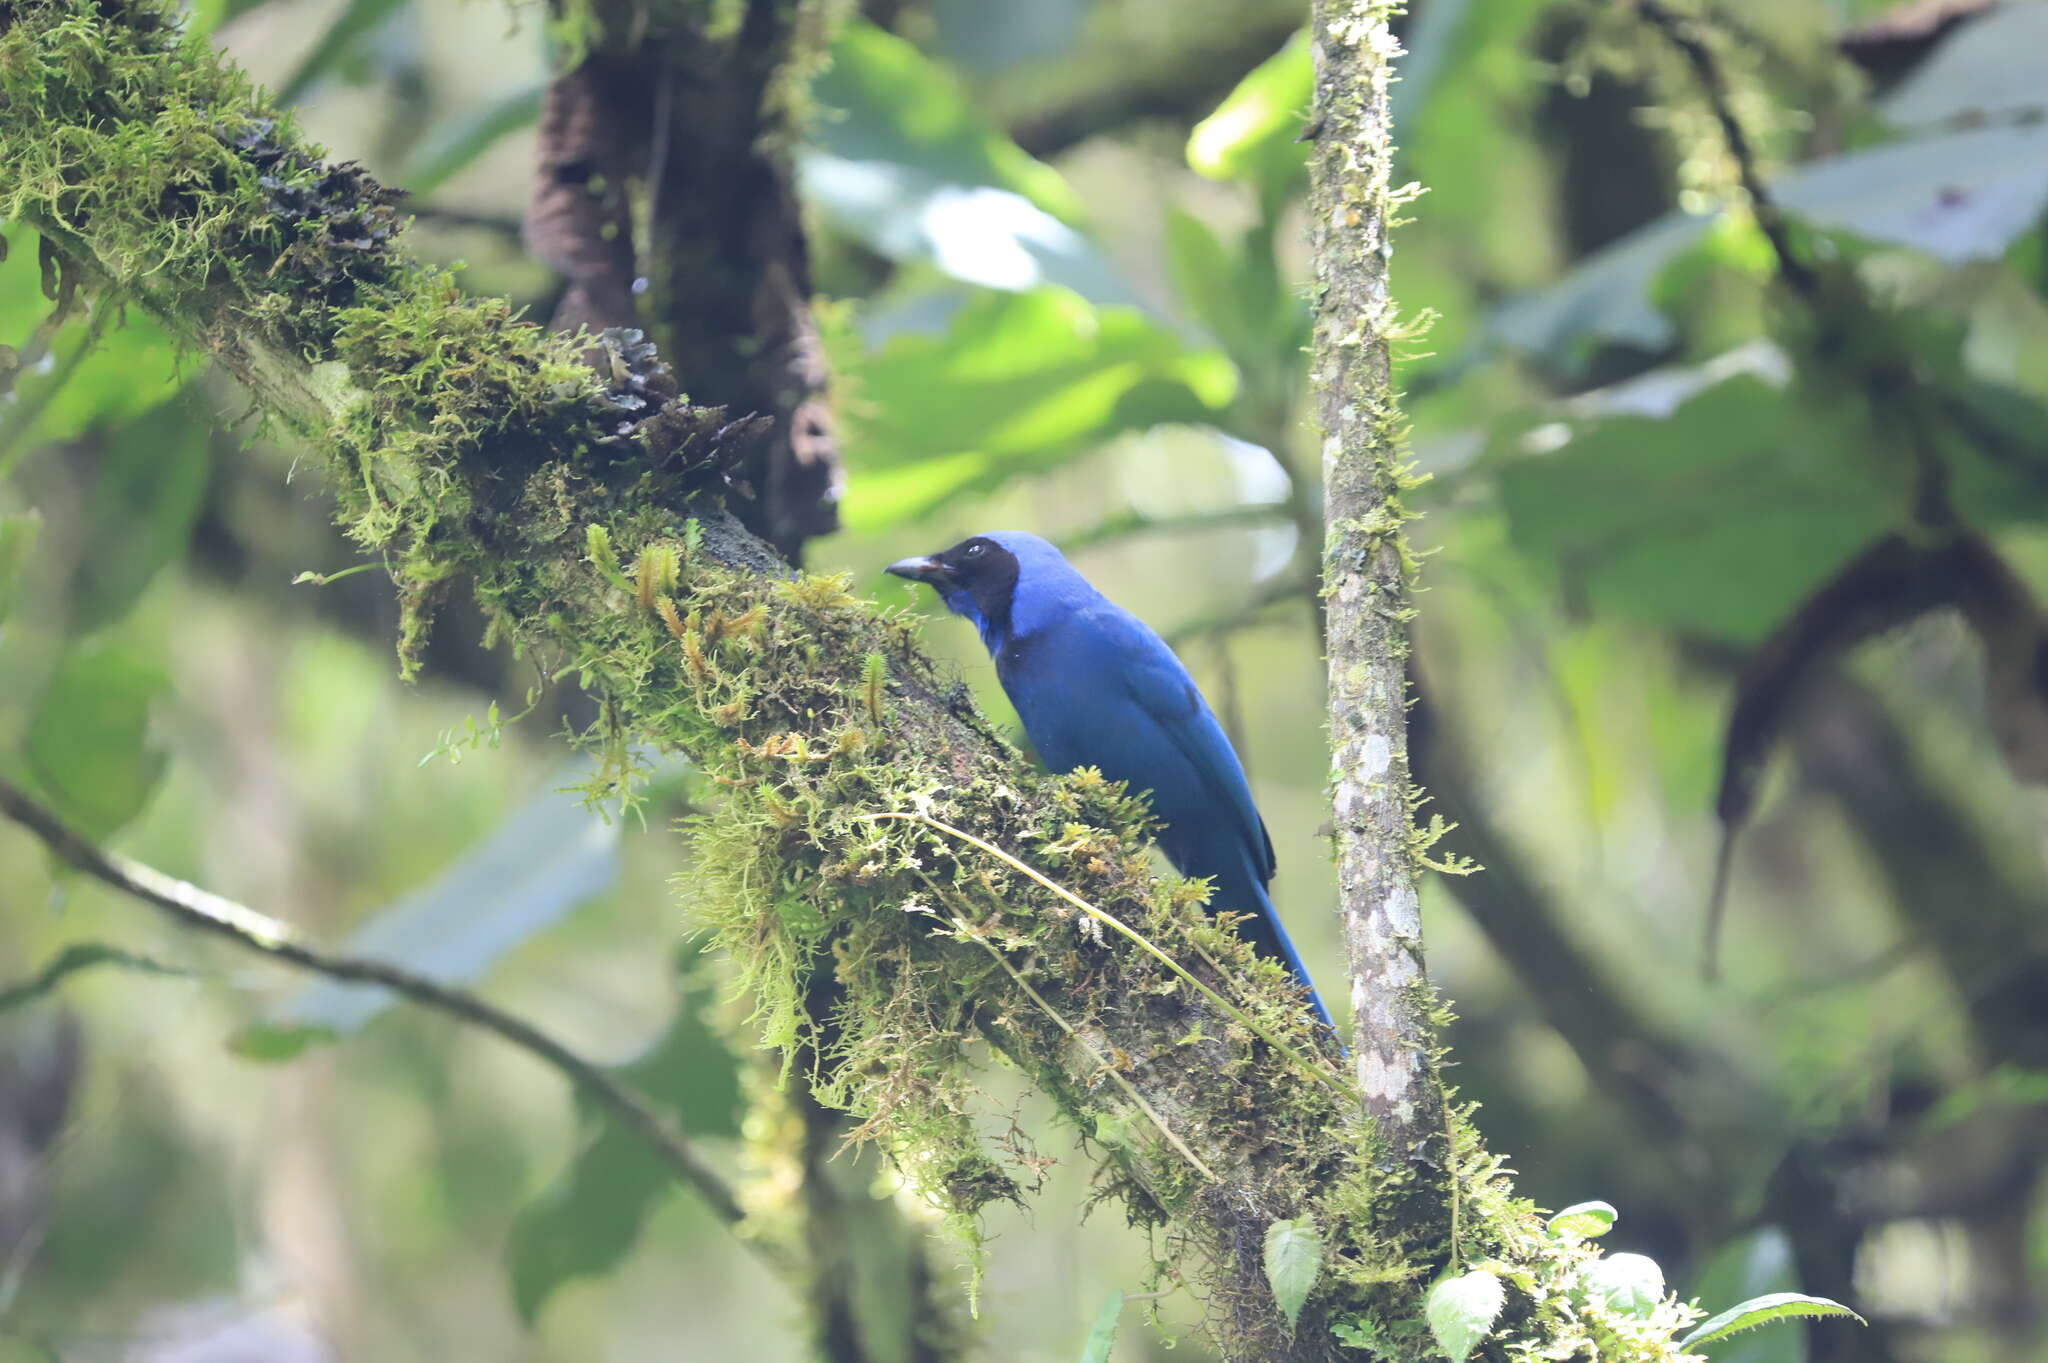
[{"x": 1096, "y": 687}]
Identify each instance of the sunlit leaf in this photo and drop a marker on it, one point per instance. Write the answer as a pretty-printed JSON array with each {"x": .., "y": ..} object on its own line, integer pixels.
[
  {"x": 1762, "y": 1311},
  {"x": 1585, "y": 1220},
  {"x": 902, "y": 160},
  {"x": 1254, "y": 134},
  {"x": 1293, "y": 1261},
  {"x": 1461, "y": 1310},
  {"x": 88, "y": 746},
  {"x": 1018, "y": 384},
  {"x": 151, "y": 478},
  {"x": 1632, "y": 1284}
]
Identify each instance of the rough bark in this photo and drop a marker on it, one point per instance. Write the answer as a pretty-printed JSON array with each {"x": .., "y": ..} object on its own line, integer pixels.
[
  {"x": 1365, "y": 585},
  {"x": 683, "y": 124}
]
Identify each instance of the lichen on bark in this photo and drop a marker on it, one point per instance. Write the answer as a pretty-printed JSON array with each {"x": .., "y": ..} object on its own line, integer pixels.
[{"x": 1365, "y": 587}]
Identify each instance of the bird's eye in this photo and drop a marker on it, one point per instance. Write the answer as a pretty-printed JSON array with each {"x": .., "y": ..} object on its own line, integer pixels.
[{"x": 974, "y": 550}]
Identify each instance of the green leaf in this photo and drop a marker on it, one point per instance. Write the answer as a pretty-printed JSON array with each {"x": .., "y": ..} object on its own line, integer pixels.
[
  {"x": 84, "y": 382},
  {"x": 1461, "y": 1310},
  {"x": 1750, "y": 1266},
  {"x": 1294, "y": 1260},
  {"x": 1632, "y": 1284},
  {"x": 130, "y": 372},
  {"x": 1020, "y": 383},
  {"x": 1237, "y": 294},
  {"x": 276, "y": 1044},
  {"x": 1096, "y": 1350},
  {"x": 547, "y": 857},
  {"x": 17, "y": 541},
  {"x": 458, "y": 142},
  {"x": 589, "y": 1219},
  {"x": 1585, "y": 1220},
  {"x": 1363, "y": 1333},
  {"x": 88, "y": 746},
  {"x": 1762, "y": 1311},
  {"x": 151, "y": 481},
  {"x": 1960, "y": 196},
  {"x": 905, "y": 163},
  {"x": 1254, "y": 134},
  {"x": 1718, "y": 519}
]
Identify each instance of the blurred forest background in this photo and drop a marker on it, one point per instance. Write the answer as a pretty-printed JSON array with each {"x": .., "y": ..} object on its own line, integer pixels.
[{"x": 1701, "y": 496}]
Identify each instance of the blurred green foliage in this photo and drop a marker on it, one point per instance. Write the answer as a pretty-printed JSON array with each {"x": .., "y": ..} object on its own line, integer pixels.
[{"x": 1069, "y": 293}]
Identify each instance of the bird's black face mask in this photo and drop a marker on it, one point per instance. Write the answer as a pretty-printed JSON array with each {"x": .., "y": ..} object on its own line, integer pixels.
[{"x": 976, "y": 578}]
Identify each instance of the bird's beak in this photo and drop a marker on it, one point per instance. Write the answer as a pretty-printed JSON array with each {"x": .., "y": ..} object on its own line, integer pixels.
[{"x": 921, "y": 569}]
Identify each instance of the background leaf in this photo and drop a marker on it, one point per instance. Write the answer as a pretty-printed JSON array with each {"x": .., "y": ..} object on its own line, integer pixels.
[
  {"x": 547, "y": 858},
  {"x": 591, "y": 1216},
  {"x": 1255, "y": 133},
  {"x": 89, "y": 748},
  {"x": 904, "y": 163},
  {"x": 1018, "y": 384}
]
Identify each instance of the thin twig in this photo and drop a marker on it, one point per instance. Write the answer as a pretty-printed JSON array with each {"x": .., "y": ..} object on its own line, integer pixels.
[
  {"x": 1687, "y": 34},
  {"x": 253, "y": 931}
]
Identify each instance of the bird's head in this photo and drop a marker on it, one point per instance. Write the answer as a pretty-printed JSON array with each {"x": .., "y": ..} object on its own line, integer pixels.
[
  {"x": 979, "y": 577},
  {"x": 976, "y": 578}
]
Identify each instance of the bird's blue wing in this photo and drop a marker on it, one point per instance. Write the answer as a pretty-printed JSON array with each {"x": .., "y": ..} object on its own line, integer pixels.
[{"x": 1102, "y": 689}]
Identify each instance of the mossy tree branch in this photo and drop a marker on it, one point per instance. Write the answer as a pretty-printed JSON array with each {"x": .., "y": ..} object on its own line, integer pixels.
[{"x": 584, "y": 508}]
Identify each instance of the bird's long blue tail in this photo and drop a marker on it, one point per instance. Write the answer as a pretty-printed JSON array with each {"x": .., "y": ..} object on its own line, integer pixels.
[{"x": 1268, "y": 934}]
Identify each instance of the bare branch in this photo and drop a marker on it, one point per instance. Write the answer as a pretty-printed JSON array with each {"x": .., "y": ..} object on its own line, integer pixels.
[{"x": 210, "y": 913}]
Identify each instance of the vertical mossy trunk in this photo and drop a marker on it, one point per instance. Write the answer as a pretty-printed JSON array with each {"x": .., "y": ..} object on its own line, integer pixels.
[{"x": 1365, "y": 586}]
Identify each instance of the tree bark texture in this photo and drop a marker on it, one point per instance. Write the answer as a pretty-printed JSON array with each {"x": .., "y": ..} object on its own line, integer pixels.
[
  {"x": 1365, "y": 584},
  {"x": 684, "y": 125}
]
